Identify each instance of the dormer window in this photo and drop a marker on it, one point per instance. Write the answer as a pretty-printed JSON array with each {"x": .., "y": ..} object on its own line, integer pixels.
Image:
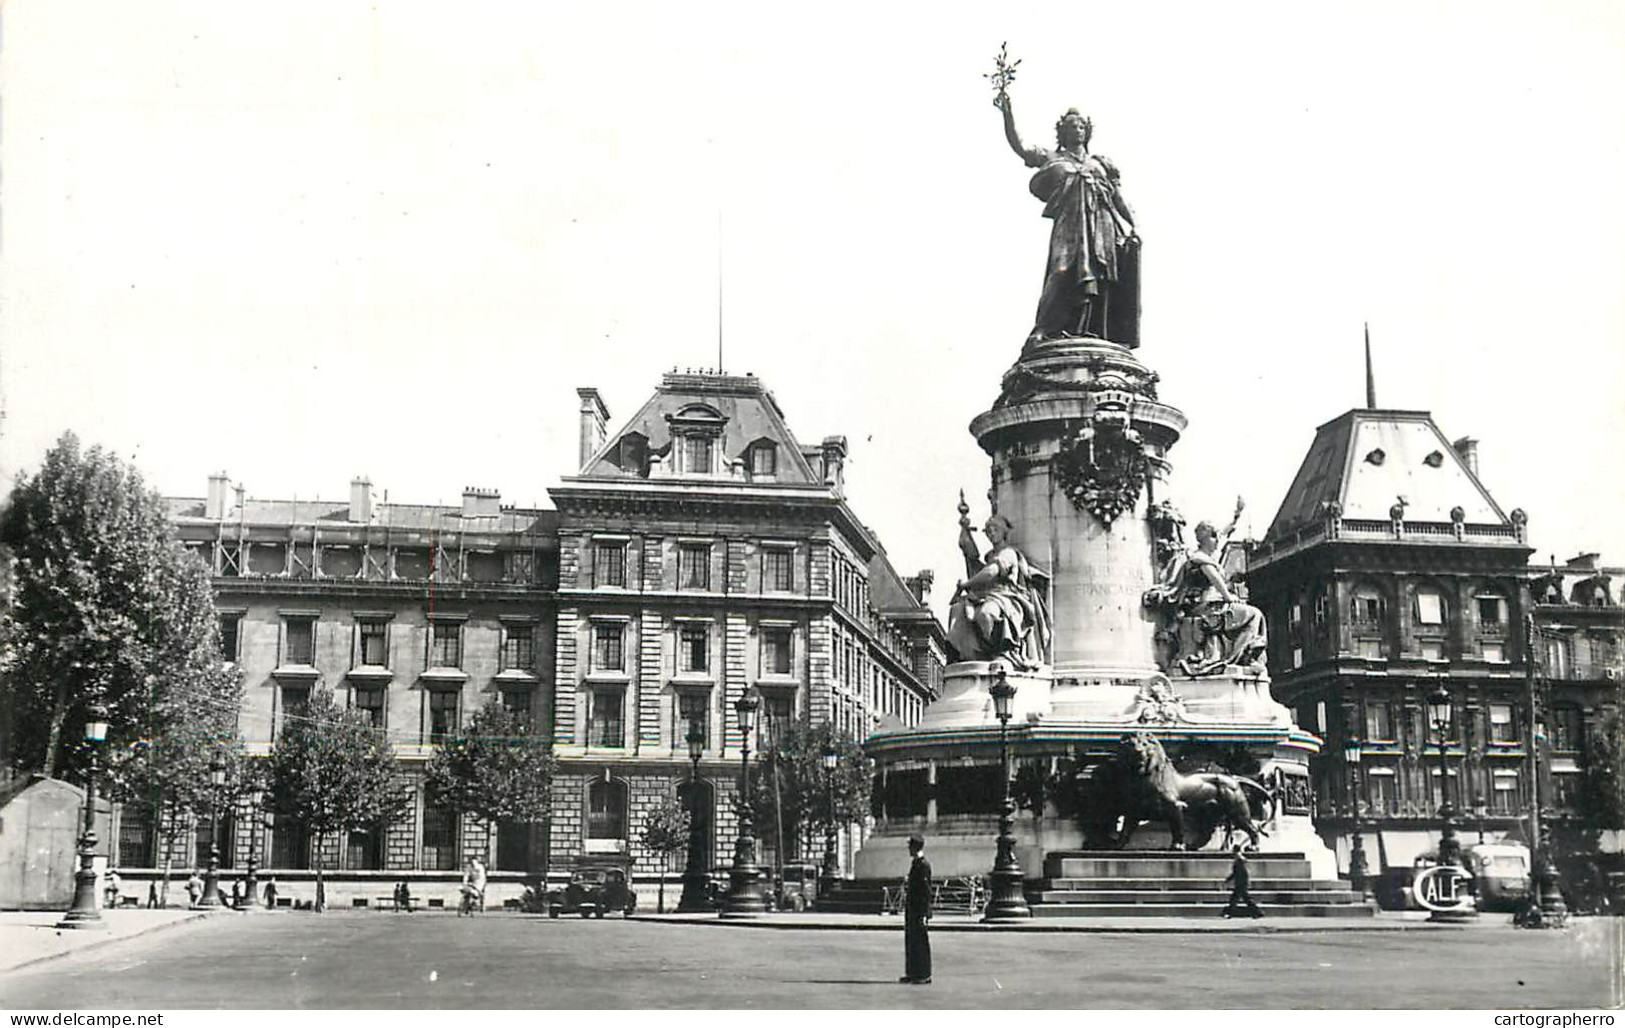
[
  {"x": 763, "y": 461},
  {"x": 698, "y": 454},
  {"x": 696, "y": 433}
]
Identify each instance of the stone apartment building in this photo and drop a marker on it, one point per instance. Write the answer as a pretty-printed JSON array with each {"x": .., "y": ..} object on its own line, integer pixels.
[
  {"x": 698, "y": 552},
  {"x": 417, "y": 615},
  {"x": 703, "y": 551},
  {"x": 1389, "y": 571}
]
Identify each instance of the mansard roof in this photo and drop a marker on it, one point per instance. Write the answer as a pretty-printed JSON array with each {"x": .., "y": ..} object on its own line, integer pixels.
[
  {"x": 1368, "y": 461},
  {"x": 738, "y": 408},
  {"x": 185, "y": 510}
]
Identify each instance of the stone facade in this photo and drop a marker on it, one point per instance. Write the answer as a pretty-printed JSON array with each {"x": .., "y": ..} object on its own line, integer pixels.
[{"x": 1389, "y": 572}]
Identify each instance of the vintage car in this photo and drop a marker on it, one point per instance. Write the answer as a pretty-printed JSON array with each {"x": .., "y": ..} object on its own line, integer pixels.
[
  {"x": 593, "y": 890},
  {"x": 1502, "y": 873}
]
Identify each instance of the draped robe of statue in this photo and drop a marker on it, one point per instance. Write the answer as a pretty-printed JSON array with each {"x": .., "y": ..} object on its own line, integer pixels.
[
  {"x": 1091, "y": 273},
  {"x": 1002, "y": 611}
]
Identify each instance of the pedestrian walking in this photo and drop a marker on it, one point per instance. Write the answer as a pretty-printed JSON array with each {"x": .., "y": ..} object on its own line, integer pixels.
[
  {"x": 270, "y": 894},
  {"x": 237, "y": 895},
  {"x": 194, "y": 889},
  {"x": 152, "y": 895},
  {"x": 916, "y": 915},
  {"x": 111, "y": 899},
  {"x": 1238, "y": 878}
]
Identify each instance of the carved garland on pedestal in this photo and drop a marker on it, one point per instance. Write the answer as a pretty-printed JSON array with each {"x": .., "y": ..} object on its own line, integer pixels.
[{"x": 1102, "y": 467}]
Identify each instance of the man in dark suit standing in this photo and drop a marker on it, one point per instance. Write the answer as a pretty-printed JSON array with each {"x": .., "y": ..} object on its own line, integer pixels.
[
  {"x": 916, "y": 913},
  {"x": 1240, "y": 877}
]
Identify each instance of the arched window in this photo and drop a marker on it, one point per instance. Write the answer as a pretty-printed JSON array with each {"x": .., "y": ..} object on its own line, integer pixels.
[
  {"x": 1368, "y": 609},
  {"x": 699, "y": 798},
  {"x": 606, "y": 810}
]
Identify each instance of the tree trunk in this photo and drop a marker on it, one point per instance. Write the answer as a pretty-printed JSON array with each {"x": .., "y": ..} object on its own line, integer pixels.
[
  {"x": 660, "y": 902},
  {"x": 321, "y": 886},
  {"x": 59, "y": 714}
]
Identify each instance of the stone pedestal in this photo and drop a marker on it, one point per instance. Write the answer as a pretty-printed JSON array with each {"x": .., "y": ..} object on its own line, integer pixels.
[{"x": 1078, "y": 441}]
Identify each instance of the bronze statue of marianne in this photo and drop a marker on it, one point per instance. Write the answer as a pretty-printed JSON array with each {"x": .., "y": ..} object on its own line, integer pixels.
[{"x": 1092, "y": 276}]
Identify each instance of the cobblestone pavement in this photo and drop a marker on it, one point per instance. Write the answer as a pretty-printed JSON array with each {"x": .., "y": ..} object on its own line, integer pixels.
[
  {"x": 30, "y": 935},
  {"x": 373, "y": 960}
]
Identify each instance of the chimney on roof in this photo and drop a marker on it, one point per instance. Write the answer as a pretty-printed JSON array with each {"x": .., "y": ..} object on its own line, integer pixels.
[
  {"x": 239, "y": 490},
  {"x": 594, "y": 423},
  {"x": 214, "y": 505},
  {"x": 361, "y": 500},
  {"x": 834, "y": 454},
  {"x": 920, "y": 586},
  {"x": 481, "y": 503},
  {"x": 1467, "y": 447}
]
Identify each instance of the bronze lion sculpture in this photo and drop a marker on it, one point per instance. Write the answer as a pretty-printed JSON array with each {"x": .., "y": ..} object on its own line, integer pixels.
[{"x": 1150, "y": 788}]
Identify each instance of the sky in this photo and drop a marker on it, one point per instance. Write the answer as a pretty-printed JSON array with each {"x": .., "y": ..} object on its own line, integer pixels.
[{"x": 311, "y": 241}]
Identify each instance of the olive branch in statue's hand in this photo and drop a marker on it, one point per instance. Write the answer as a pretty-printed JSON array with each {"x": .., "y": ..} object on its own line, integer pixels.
[{"x": 1003, "y": 73}]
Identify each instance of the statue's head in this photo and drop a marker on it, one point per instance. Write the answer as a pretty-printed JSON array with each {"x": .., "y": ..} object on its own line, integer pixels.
[
  {"x": 998, "y": 529},
  {"x": 1073, "y": 129},
  {"x": 1206, "y": 535},
  {"x": 1142, "y": 751}
]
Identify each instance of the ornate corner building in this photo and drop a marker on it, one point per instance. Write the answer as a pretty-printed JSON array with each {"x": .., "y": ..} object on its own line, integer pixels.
[
  {"x": 1391, "y": 572},
  {"x": 699, "y": 551},
  {"x": 704, "y": 552}
]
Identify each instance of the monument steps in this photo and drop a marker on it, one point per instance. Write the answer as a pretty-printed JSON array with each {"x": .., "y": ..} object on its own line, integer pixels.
[{"x": 1180, "y": 883}]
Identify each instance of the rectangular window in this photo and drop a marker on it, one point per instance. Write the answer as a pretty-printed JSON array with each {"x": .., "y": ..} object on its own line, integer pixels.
[
  {"x": 1491, "y": 611},
  {"x": 446, "y": 644},
  {"x": 1429, "y": 608},
  {"x": 694, "y": 649},
  {"x": 778, "y": 711},
  {"x": 693, "y": 711},
  {"x": 776, "y": 651},
  {"x": 517, "y": 702},
  {"x": 299, "y": 642},
  {"x": 1380, "y": 792},
  {"x": 439, "y": 838},
  {"x": 694, "y": 566},
  {"x": 778, "y": 570},
  {"x": 608, "y": 653},
  {"x": 1504, "y": 797},
  {"x": 1297, "y": 657},
  {"x": 1565, "y": 722},
  {"x": 1379, "y": 726},
  {"x": 1565, "y": 786},
  {"x": 1503, "y": 728},
  {"x": 764, "y": 460},
  {"x": 1295, "y": 619},
  {"x": 443, "y": 705},
  {"x": 607, "y": 727},
  {"x": 1557, "y": 658},
  {"x": 519, "y": 648},
  {"x": 1367, "y": 610},
  {"x": 1431, "y": 650},
  {"x": 1495, "y": 653},
  {"x": 609, "y": 564},
  {"x": 230, "y": 636},
  {"x": 697, "y": 454},
  {"x": 1371, "y": 649},
  {"x": 372, "y": 638},
  {"x": 370, "y": 701}
]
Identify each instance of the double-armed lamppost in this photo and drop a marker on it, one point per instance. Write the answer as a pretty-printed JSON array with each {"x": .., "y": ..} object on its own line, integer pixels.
[
  {"x": 1009, "y": 900},
  {"x": 83, "y": 912},
  {"x": 695, "y": 879},
  {"x": 211, "y": 876},
  {"x": 1546, "y": 908},
  {"x": 832, "y": 867},
  {"x": 745, "y": 897}
]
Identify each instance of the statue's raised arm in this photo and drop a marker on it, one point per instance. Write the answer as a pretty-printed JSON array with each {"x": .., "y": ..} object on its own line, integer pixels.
[{"x": 1092, "y": 281}]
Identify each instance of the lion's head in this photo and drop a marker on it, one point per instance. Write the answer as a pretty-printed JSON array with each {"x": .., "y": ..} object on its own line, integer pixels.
[{"x": 1142, "y": 754}]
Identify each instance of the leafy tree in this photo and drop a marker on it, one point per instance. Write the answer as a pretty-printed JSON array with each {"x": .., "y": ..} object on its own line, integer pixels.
[
  {"x": 1600, "y": 798},
  {"x": 791, "y": 765},
  {"x": 107, "y": 609},
  {"x": 331, "y": 771},
  {"x": 665, "y": 831},
  {"x": 495, "y": 769},
  {"x": 1598, "y": 805}
]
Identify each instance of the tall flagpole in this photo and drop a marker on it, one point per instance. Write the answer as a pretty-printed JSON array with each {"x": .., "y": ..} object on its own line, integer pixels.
[{"x": 1370, "y": 379}]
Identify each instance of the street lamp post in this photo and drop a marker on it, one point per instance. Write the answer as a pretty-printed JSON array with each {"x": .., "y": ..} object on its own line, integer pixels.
[
  {"x": 1009, "y": 900},
  {"x": 211, "y": 876},
  {"x": 832, "y": 867},
  {"x": 1439, "y": 712},
  {"x": 83, "y": 913},
  {"x": 745, "y": 879},
  {"x": 694, "y": 899},
  {"x": 250, "y": 881},
  {"x": 1359, "y": 864},
  {"x": 1546, "y": 908}
]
